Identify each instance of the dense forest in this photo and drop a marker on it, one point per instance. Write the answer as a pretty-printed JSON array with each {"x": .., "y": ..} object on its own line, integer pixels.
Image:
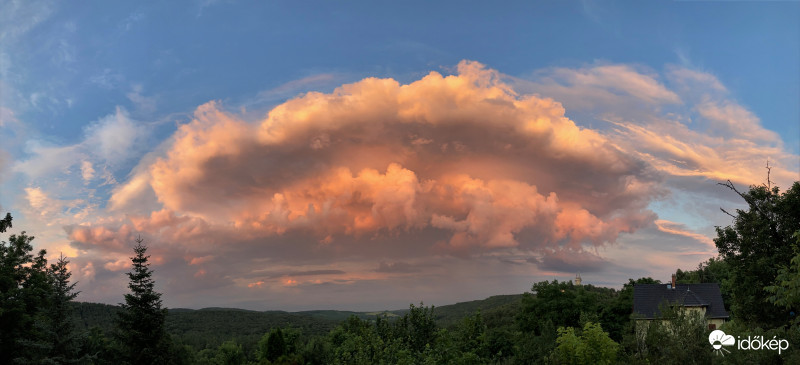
[{"x": 758, "y": 270}]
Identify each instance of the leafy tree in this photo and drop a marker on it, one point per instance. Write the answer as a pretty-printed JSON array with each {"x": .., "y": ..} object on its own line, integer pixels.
[
  {"x": 615, "y": 315},
  {"x": 681, "y": 337},
  {"x": 736, "y": 356},
  {"x": 756, "y": 245},
  {"x": 140, "y": 323},
  {"x": 97, "y": 348},
  {"x": 206, "y": 357},
  {"x": 786, "y": 290},
  {"x": 417, "y": 328},
  {"x": 471, "y": 335},
  {"x": 561, "y": 303},
  {"x": 278, "y": 344},
  {"x": 356, "y": 342},
  {"x": 230, "y": 353},
  {"x": 275, "y": 345},
  {"x": 714, "y": 270},
  {"x": 592, "y": 346}
]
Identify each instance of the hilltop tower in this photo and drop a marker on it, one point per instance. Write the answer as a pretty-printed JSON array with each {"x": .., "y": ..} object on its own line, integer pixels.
[{"x": 578, "y": 279}]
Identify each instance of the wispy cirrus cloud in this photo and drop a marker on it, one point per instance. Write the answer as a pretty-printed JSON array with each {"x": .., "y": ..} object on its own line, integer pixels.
[{"x": 681, "y": 230}]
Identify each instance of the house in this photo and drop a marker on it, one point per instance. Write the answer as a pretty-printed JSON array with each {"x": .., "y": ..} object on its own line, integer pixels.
[{"x": 705, "y": 298}]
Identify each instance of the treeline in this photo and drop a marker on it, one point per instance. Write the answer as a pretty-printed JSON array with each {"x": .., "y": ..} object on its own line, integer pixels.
[
  {"x": 758, "y": 270},
  {"x": 35, "y": 321}
]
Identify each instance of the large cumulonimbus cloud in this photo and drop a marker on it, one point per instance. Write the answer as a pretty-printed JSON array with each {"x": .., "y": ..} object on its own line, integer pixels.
[
  {"x": 462, "y": 154},
  {"x": 378, "y": 185}
]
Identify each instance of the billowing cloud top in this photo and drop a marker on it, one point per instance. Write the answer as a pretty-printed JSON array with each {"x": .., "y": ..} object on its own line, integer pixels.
[
  {"x": 462, "y": 154},
  {"x": 414, "y": 178}
]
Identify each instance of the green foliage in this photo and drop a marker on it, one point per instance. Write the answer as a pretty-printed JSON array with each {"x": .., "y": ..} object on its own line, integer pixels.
[
  {"x": 417, "y": 328},
  {"x": 230, "y": 353},
  {"x": 532, "y": 348},
  {"x": 680, "y": 338},
  {"x": 786, "y": 290},
  {"x": 356, "y": 342},
  {"x": 87, "y": 316},
  {"x": 470, "y": 336},
  {"x": 743, "y": 330},
  {"x": 208, "y": 328},
  {"x": 616, "y": 313},
  {"x": 61, "y": 330},
  {"x": 715, "y": 270},
  {"x": 498, "y": 310},
  {"x": 317, "y": 351},
  {"x": 592, "y": 346},
  {"x": 140, "y": 323},
  {"x": 756, "y": 246},
  {"x": 35, "y": 314},
  {"x": 98, "y": 348},
  {"x": 279, "y": 345},
  {"x": 24, "y": 300},
  {"x": 561, "y": 303}
]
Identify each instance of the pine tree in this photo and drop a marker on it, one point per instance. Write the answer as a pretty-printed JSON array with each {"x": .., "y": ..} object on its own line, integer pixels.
[
  {"x": 65, "y": 345},
  {"x": 5, "y": 223},
  {"x": 140, "y": 323},
  {"x": 24, "y": 291}
]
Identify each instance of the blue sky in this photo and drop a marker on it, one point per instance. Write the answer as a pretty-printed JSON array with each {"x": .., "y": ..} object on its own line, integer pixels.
[{"x": 97, "y": 98}]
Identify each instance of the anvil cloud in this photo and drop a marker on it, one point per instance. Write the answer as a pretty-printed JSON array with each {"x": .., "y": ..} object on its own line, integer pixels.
[
  {"x": 379, "y": 180},
  {"x": 463, "y": 157}
]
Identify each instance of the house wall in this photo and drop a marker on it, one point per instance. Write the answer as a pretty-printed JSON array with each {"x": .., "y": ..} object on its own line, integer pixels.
[
  {"x": 693, "y": 310},
  {"x": 642, "y": 324},
  {"x": 716, "y": 322}
]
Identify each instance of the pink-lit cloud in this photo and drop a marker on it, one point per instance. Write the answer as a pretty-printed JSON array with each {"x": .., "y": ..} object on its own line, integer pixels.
[
  {"x": 681, "y": 230},
  {"x": 464, "y": 154},
  {"x": 382, "y": 181}
]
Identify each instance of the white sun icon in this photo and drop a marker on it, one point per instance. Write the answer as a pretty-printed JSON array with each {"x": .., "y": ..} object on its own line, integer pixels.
[{"x": 717, "y": 339}]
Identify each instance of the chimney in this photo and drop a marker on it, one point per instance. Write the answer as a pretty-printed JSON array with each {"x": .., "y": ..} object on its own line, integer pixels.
[{"x": 673, "y": 280}]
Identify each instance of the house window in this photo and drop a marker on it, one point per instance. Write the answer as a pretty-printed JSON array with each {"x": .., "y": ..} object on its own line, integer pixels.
[{"x": 712, "y": 326}]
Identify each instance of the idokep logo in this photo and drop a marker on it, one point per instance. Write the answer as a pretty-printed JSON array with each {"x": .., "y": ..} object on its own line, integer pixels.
[{"x": 718, "y": 339}]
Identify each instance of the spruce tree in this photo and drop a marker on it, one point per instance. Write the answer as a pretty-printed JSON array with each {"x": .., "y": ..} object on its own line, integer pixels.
[
  {"x": 64, "y": 340},
  {"x": 24, "y": 292},
  {"x": 140, "y": 324},
  {"x": 5, "y": 223}
]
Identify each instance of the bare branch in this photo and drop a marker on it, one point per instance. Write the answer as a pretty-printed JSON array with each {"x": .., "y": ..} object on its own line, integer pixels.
[
  {"x": 730, "y": 185},
  {"x": 769, "y": 183},
  {"x": 726, "y": 212}
]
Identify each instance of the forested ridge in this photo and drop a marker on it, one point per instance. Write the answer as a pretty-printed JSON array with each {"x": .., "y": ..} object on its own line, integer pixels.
[
  {"x": 210, "y": 327},
  {"x": 758, "y": 271}
]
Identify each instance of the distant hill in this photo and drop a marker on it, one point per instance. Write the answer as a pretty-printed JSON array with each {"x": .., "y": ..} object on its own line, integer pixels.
[
  {"x": 209, "y": 327},
  {"x": 496, "y": 310}
]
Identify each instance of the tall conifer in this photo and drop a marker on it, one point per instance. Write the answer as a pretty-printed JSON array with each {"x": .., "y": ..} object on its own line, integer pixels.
[{"x": 140, "y": 323}]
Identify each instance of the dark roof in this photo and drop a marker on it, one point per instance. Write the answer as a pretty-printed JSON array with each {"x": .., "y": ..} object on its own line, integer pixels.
[{"x": 648, "y": 297}]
